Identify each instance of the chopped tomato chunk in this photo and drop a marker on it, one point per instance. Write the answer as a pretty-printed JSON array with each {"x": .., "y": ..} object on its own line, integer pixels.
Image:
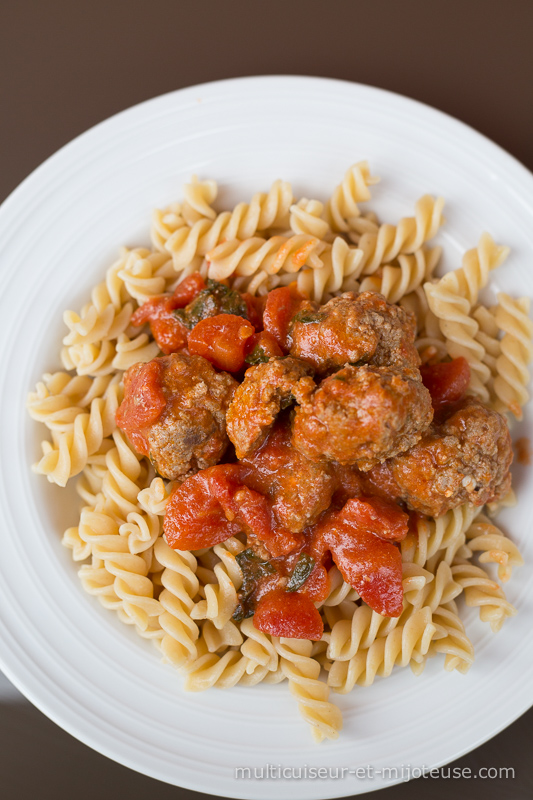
[
  {"x": 255, "y": 512},
  {"x": 281, "y": 306},
  {"x": 187, "y": 290},
  {"x": 256, "y": 307},
  {"x": 168, "y": 331},
  {"x": 143, "y": 403},
  {"x": 446, "y": 382},
  {"x": 199, "y": 513},
  {"x": 261, "y": 347},
  {"x": 317, "y": 585},
  {"x": 221, "y": 340},
  {"x": 356, "y": 537},
  {"x": 292, "y": 615}
]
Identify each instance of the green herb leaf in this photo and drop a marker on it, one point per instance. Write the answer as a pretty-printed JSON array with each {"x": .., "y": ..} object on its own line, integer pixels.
[
  {"x": 257, "y": 356},
  {"x": 307, "y": 317},
  {"x": 215, "y": 299},
  {"x": 301, "y": 572}
]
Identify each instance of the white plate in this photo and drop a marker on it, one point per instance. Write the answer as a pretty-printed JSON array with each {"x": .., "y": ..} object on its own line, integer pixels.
[{"x": 59, "y": 231}]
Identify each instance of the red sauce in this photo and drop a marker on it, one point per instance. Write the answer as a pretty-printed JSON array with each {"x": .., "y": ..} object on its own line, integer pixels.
[
  {"x": 260, "y": 347},
  {"x": 216, "y": 503},
  {"x": 256, "y": 307},
  {"x": 144, "y": 402},
  {"x": 169, "y": 333},
  {"x": 357, "y": 539},
  {"x": 446, "y": 382},
  {"x": 222, "y": 341},
  {"x": 287, "y": 614},
  {"x": 281, "y": 306}
]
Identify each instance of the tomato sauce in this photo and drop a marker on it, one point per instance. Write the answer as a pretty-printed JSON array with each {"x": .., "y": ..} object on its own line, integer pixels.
[
  {"x": 281, "y": 306},
  {"x": 144, "y": 402},
  {"x": 222, "y": 341},
  {"x": 216, "y": 503},
  {"x": 447, "y": 382},
  {"x": 169, "y": 332}
]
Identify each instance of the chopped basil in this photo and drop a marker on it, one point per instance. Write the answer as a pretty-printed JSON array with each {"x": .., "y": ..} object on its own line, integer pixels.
[
  {"x": 215, "y": 299},
  {"x": 257, "y": 356},
  {"x": 243, "y": 611},
  {"x": 301, "y": 572},
  {"x": 307, "y": 317},
  {"x": 253, "y": 569}
]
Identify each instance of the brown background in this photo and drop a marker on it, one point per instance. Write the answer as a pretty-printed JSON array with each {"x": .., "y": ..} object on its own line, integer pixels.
[{"x": 66, "y": 65}]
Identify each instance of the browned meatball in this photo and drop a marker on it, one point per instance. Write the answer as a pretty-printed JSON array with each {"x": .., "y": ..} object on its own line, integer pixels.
[
  {"x": 363, "y": 415},
  {"x": 299, "y": 489},
  {"x": 190, "y": 432},
  {"x": 265, "y": 390},
  {"x": 464, "y": 460},
  {"x": 355, "y": 328}
]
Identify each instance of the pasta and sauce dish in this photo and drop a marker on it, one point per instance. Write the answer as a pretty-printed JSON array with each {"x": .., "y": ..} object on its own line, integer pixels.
[{"x": 291, "y": 439}]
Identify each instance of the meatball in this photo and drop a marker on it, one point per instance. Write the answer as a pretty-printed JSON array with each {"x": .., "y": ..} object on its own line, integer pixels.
[
  {"x": 354, "y": 328},
  {"x": 266, "y": 389},
  {"x": 363, "y": 415},
  {"x": 464, "y": 460},
  {"x": 189, "y": 433},
  {"x": 299, "y": 489}
]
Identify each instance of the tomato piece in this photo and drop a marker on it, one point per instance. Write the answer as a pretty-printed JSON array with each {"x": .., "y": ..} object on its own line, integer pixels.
[
  {"x": 256, "y": 307},
  {"x": 221, "y": 340},
  {"x": 446, "y": 382},
  {"x": 254, "y": 510},
  {"x": 200, "y": 513},
  {"x": 187, "y": 290},
  {"x": 281, "y": 306},
  {"x": 292, "y": 615},
  {"x": 261, "y": 347},
  {"x": 377, "y": 516},
  {"x": 318, "y": 584},
  {"x": 357, "y": 539},
  {"x": 169, "y": 333},
  {"x": 144, "y": 401}
]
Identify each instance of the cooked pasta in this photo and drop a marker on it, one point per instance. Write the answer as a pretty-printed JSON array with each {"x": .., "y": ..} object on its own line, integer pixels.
[{"x": 194, "y": 604}]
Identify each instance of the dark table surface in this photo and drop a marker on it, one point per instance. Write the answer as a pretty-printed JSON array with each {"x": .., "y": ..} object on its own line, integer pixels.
[{"x": 66, "y": 66}]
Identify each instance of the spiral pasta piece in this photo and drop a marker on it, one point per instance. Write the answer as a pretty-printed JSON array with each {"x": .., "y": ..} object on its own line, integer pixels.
[
  {"x": 221, "y": 671},
  {"x": 451, "y": 300},
  {"x": 221, "y": 638},
  {"x": 512, "y": 374},
  {"x": 125, "y": 476},
  {"x": 451, "y": 639},
  {"x": 264, "y": 211},
  {"x": 165, "y": 222},
  {"x": 146, "y": 274},
  {"x": 473, "y": 274},
  {"x": 221, "y": 597},
  {"x": 302, "y": 672},
  {"x": 180, "y": 586},
  {"x": 433, "y": 535},
  {"x": 132, "y": 351},
  {"x": 258, "y": 648},
  {"x": 306, "y": 218},
  {"x": 154, "y": 498},
  {"x": 60, "y": 397},
  {"x": 412, "y": 638},
  {"x": 341, "y": 265},
  {"x": 407, "y": 237},
  {"x": 483, "y": 593},
  {"x": 198, "y": 198},
  {"x": 394, "y": 282},
  {"x": 126, "y": 584},
  {"x": 69, "y": 451},
  {"x": 494, "y": 547},
  {"x": 353, "y": 189}
]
